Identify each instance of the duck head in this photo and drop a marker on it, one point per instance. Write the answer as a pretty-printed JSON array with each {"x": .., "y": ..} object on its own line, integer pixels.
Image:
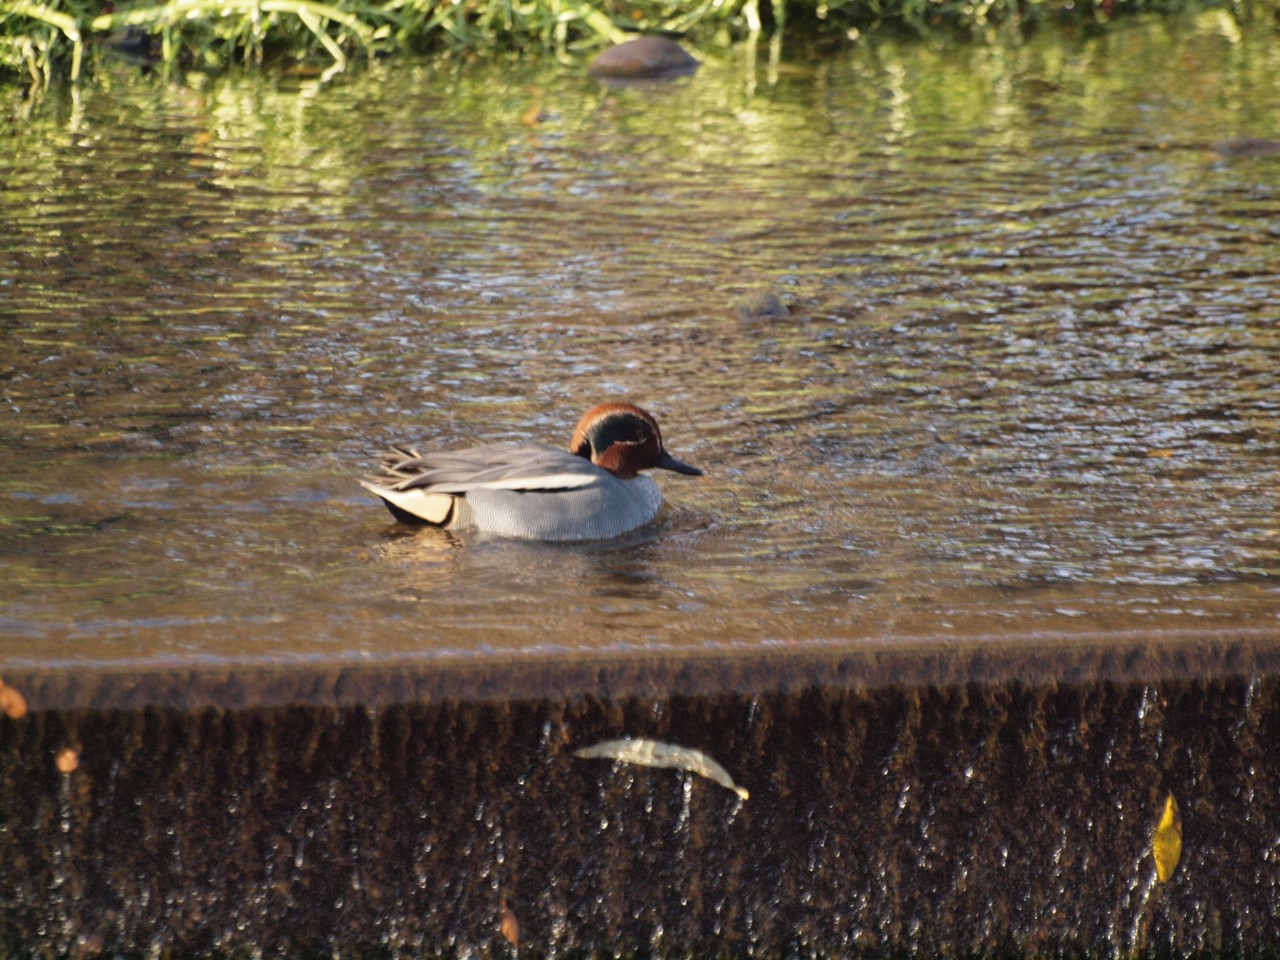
[{"x": 623, "y": 439}]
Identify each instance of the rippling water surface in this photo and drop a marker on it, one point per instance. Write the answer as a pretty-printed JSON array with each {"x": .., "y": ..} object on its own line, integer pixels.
[{"x": 1029, "y": 381}]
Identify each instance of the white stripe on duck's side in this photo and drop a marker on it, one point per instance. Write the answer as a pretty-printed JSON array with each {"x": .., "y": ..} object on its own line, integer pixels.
[{"x": 592, "y": 491}]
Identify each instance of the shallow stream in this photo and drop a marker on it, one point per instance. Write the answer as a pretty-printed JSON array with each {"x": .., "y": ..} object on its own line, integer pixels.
[{"x": 1028, "y": 383}]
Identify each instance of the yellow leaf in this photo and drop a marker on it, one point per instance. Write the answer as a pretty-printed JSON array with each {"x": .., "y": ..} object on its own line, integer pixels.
[{"x": 1166, "y": 846}]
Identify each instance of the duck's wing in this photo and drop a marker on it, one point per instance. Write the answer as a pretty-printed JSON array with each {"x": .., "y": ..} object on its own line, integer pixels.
[
  {"x": 417, "y": 487},
  {"x": 499, "y": 466}
]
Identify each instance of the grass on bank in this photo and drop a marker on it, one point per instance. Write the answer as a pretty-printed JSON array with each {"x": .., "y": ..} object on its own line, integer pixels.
[{"x": 45, "y": 38}]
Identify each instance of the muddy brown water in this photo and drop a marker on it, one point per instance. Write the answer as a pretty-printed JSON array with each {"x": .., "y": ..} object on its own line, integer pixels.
[
  {"x": 1017, "y": 427},
  {"x": 1028, "y": 381}
]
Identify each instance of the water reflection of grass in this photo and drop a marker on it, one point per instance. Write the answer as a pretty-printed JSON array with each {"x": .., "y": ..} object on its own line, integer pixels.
[{"x": 42, "y": 38}]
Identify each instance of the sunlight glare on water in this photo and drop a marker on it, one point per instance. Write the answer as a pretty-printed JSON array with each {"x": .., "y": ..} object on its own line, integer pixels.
[{"x": 1027, "y": 381}]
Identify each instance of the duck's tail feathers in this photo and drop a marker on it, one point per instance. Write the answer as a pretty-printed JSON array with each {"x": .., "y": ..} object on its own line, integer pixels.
[
  {"x": 414, "y": 506},
  {"x": 399, "y": 462}
]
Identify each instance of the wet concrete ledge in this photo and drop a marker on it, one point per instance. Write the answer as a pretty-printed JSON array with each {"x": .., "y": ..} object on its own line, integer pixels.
[
  {"x": 942, "y": 800},
  {"x": 1077, "y": 657}
]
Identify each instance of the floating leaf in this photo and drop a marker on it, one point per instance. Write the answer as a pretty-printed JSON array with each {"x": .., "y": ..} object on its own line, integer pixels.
[
  {"x": 655, "y": 753},
  {"x": 1166, "y": 846}
]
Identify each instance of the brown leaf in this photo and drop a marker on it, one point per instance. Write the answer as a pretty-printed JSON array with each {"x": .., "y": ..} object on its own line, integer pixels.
[
  {"x": 67, "y": 760},
  {"x": 510, "y": 926},
  {"x": 12, "y": 703}
]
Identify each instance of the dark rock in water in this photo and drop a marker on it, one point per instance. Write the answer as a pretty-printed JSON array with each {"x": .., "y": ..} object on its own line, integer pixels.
[
  {"x": 760, "y": 305},
  {"x": 1247, "y": 147},
  {"x": 643, "y": 57},
  {"x": 132, "y": 42}
]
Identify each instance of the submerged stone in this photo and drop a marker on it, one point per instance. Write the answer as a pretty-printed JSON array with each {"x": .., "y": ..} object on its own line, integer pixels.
[
  {"x": 644, "y": 57},
  {"x": 760, "y": 305},
  {"x": 1247, "y": 147}
]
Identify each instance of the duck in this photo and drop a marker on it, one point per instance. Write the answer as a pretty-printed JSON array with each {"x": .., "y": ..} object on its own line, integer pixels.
[{"x": 594, "y": 490}]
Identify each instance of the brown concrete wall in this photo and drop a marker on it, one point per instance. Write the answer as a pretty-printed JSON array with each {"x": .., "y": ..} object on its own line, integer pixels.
[{"x": 964, "y": 818}]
